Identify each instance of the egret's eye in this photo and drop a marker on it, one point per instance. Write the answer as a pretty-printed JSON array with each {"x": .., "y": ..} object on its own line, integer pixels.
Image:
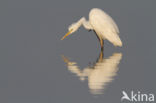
[{"x": 71, "y": 29}]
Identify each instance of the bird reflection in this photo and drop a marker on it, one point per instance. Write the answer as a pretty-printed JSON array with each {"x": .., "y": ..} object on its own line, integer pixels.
[{"x": 100, "y": 74}]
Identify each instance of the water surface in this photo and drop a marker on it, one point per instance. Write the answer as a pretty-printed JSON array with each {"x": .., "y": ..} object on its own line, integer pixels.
[{"x": 37, "y": 67}]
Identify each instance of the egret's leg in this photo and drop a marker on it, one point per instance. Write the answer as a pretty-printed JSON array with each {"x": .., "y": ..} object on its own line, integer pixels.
[
  {"x": 101, "y": 43},
  {"x": 100, "y": 39},
  {"x": 101, "y": 56}
]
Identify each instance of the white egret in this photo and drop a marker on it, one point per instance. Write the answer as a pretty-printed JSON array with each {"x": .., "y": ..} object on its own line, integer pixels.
[{"x": 103, "y": 25}]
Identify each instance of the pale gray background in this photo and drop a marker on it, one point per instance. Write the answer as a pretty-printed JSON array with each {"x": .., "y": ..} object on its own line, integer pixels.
[{"x": 31, "y": 67}]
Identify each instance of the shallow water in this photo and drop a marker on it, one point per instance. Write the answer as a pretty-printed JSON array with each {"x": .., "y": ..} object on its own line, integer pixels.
[{"x": 36, "y": 66}]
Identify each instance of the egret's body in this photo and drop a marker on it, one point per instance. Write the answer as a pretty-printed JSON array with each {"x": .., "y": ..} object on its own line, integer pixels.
[{"x": 102, "y": 24}]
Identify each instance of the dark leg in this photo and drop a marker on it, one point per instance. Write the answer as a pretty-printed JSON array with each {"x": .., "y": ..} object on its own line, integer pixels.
[
  {"x": 101, "y": 56},
  {"x": 101, "y": 41}
]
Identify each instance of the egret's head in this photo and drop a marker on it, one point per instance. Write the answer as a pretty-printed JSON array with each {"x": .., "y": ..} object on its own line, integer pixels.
[{"x": 71, "y": 29}]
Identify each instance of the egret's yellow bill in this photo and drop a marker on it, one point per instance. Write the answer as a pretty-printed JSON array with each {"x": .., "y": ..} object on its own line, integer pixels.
[{"x": 69, "y": 32}]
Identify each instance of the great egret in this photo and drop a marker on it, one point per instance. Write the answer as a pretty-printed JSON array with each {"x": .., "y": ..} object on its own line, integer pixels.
[
  {"x": 100, "y": 74},
  {"x": 100, "y": 22}
]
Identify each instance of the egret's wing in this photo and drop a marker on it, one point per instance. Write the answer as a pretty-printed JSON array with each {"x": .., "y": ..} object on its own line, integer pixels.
[
  {"x": 109, "y": 30},
  {"x": 105, "y": 27},
  {"x": 116, "y": 29}
]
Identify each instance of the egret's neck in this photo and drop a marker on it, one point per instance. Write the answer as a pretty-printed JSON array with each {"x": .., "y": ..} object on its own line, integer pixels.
[
  {"x": 85, "y": 23},
  {"x": 80, "y": 22}
]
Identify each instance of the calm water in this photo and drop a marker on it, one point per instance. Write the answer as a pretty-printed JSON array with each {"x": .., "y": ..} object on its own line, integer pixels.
[
  {"x": 99, "y": 74},
  {"x": 37, "y": 67}
]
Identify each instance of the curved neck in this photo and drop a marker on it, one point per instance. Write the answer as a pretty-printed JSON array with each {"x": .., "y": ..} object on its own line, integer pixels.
[
  {"x": 80, "y": 22},
  {"x": 85, "y": 23}
]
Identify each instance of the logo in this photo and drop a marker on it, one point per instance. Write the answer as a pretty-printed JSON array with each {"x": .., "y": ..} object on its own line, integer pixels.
[{"x": 137, "y": 96}]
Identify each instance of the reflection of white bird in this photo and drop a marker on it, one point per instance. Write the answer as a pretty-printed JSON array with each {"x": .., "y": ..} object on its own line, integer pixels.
[
  {"x": 103, "y": 25},
  {"x": 125, "y": 96},
  {"x": 100, "y": 74}
]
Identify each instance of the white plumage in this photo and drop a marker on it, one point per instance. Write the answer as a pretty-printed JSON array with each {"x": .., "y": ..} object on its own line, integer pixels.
[{"x": 102, "y": 24}]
